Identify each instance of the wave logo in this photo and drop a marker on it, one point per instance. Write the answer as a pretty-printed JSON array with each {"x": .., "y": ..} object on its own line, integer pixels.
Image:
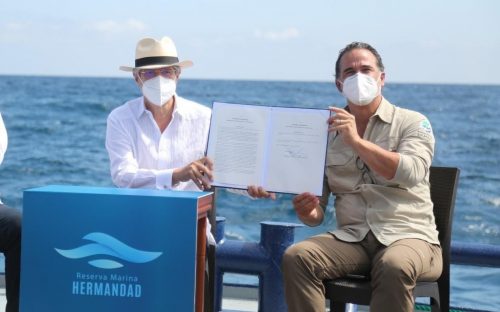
[{"x": 106, "y": 245}]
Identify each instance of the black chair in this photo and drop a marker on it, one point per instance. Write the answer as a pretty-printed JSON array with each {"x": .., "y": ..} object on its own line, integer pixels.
[{"x": 444, "y": 182}]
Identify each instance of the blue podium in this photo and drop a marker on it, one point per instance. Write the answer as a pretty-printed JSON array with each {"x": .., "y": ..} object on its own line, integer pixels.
[{"x": 110, "y": 249}]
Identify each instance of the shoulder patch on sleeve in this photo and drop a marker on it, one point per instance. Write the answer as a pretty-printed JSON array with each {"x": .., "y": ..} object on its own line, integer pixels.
[
  {"x": 425, "y": 125},
  {"x": 425, "y": 129}
]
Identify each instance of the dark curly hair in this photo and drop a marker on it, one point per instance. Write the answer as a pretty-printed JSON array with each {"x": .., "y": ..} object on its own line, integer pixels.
[{"x": 358, "y": 45}]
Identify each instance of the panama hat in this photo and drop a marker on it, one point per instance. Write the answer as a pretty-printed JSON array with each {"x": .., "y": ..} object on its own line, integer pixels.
[{"x": 151, "y": 53}]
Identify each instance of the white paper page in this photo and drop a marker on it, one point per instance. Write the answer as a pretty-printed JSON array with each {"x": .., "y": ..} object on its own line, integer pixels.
[
  {"x": 297, "y": 155},
  {"x": 236, "y": 144}
]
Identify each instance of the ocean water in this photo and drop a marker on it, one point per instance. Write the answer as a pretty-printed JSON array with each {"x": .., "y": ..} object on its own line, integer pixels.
[{"x": 57, "y": 128}]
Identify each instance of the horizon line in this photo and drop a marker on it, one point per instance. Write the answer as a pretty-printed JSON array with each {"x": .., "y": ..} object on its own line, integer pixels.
[{"x": 245, "y": 79}]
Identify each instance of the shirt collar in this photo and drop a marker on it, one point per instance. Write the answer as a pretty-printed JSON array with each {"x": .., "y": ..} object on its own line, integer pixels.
[
  {"x": 179, "y": 109},
  {"x": 385, "y": 111}
]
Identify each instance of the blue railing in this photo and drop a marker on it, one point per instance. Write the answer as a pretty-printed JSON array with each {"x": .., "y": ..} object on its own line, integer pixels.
[
  {"x": 263, "y": 259},
  {"x": 475, "y": 254},
  {"x": 255, "y": 258}
]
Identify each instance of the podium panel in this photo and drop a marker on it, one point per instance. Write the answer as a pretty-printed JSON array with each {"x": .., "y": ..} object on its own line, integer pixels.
[{"x": 108, "y": 249}]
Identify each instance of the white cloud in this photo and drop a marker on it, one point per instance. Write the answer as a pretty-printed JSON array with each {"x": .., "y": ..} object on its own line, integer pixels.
[
  {"x": 14, "y": 32},
  {"x": 136, "y": 25},
  {"x": 113, "y": 27},
  {"x": 16, "y": 26},
  {"x": 286, "y": 34}
]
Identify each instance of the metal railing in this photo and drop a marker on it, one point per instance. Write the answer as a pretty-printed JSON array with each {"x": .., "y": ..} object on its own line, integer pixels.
[{"x": 263, "y": 259}]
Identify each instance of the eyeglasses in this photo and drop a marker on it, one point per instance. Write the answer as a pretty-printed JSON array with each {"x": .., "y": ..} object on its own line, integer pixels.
[
  {"x": 167, "y": 72},
  {"x": 365, "y": 171}
]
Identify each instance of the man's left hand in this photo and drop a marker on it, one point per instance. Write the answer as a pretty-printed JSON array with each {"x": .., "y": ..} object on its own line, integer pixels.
[
  {"x": 259, "y": 192},
  {"x": 199, "y": 171}
]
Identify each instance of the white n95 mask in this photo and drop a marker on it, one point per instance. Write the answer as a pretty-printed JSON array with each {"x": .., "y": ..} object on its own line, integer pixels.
[
  {"x": 360, "y": 89},
  {"x": 158, "y": 90}
]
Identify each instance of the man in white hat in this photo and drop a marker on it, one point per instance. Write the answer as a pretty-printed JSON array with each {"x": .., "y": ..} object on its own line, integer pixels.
[{"x": 158, "y": 140}]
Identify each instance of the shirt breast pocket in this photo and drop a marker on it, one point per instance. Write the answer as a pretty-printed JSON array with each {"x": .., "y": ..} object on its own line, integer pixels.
[
  {"x": 339, "y": 170},
  {"x": 339, "y": 157}
]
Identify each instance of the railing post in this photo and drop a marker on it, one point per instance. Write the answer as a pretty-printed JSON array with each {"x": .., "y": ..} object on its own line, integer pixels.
[
  {"x": 275, "y": 237},
  {"x": 262, "y": 259}
]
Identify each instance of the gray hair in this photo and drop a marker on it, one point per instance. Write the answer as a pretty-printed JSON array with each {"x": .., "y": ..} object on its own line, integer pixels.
[{"x": 358, "y": 45}]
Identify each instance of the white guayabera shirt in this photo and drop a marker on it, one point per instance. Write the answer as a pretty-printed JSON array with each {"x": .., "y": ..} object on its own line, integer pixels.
[
  {"x": 3, "y": 141},
  {"x": 143, "y": 157}
]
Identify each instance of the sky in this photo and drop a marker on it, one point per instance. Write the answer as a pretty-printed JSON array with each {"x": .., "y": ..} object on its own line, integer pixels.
[{"x": 424, "y": 41}]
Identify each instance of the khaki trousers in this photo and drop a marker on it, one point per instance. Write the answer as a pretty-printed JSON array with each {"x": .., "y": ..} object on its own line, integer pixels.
[{"x": 394, "y": 270}]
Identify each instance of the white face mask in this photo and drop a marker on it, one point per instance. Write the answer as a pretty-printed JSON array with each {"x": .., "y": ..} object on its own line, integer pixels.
[
  {"x": 158, "y": 90},
  {"x": 360, "y": 89}
]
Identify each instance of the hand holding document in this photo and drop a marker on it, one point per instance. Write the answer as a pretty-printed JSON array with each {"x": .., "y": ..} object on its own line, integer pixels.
[{"x": 279, "y": 148}]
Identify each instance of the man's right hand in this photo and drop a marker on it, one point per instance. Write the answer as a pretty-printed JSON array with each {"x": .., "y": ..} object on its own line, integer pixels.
[
  {"x": 199, "y": 171},
  {"x": 307, "y": 207}
]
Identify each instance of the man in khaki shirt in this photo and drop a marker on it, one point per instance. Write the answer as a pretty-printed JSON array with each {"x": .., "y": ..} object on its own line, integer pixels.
[{"x": 377, "y": 168}]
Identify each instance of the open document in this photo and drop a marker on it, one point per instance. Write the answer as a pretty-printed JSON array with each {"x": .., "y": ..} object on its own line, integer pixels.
[{"x": 279, "y": 148}]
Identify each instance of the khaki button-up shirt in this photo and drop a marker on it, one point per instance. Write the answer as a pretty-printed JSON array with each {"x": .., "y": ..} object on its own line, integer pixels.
[{"x": 392, "y": 209}]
